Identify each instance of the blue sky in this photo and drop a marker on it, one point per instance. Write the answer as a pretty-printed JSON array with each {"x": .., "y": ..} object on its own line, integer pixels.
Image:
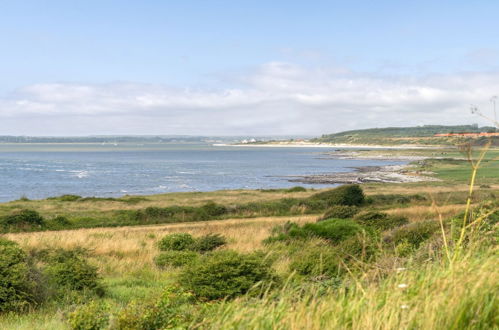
[{"x": 220, "y": 55}]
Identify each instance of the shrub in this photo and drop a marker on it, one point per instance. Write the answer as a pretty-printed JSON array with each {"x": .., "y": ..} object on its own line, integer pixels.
[
  {"x": 91, "y": 316},
  {"x": 175, "y": 258},
  {"x": 296, "y": 189},
  {"x": 209, "y": 242},
  {"x": 344, "y": 195},
  {"x": 286, "y": 232},
  {"x": 362, "y": 246},
  {"x": 214, "y": 210},
  {"x": 225, "y": 274},
  {"x": 69, "y": 270},
  {"x": 22, "y": 220},
  {"x": 334, "y": 230},
  {"x": 379, "y": 220},
  {"x": 316, "y": 261},
  {"x": 171, "y": 310},
  {"x": 340, "y": 212},
  {"x": 69, "y": 198},
  {"x": 61, "y": 220},
  {"x": 16, "y": 286},
  {"x": 176, "y": 242},
  {"x": 413, "y": 234},
  {"x": 391, "y": 199}
]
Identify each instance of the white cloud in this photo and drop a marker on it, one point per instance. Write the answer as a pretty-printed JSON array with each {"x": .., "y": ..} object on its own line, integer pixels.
[{"x": 277, "y": 98}]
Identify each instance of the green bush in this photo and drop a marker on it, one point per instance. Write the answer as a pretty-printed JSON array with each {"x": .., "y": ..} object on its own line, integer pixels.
[
  {"x": 22, "y": 220},
  {"x": 363, "y": 246},
  {"x": 68, "y": 198},
  {"x": 351, "y": 194},
  {"x": 214, "y": 210},
  {"x": 209, "y": 242},
  {"x": 413, "y": 233},
  {"x": 61, "y": 220},
  {"x": 334, "y": 230},
  {"x": 91, "y": 316},
  {"x": 176, "y": 242},
  {"x": 340, "y": 212},
  {"x": 380, "y": 220},
  {"x": 295, "y": 189},
  {"x": 225, "y": 274},
  {"x": 286, "y": 232},
  {"x": 172, "y": 310},
  {"x": 16, "y": 286},
  {"x": 69, "y": 270},
  {"x": 316, "y": 261},
  {"x": 175, "y": 258},
  {"x": 393, "y": 199}
]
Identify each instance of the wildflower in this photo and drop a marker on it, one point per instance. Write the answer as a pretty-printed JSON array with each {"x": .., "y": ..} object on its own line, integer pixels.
[{"x": 402, "y": 286}]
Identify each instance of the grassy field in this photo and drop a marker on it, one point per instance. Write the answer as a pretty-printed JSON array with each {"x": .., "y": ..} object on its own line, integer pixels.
[{"x": 422, "y": 286}]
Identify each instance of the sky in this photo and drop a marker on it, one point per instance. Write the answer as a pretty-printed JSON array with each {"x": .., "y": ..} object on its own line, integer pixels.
[{"x": 244, "y": 67}]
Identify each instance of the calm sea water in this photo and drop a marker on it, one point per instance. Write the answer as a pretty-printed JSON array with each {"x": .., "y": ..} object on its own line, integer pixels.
[{"x": 44, "y": 170}]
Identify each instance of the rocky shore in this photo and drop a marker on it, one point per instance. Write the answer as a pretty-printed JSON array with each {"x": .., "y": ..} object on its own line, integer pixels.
[{"x": 365, "y": 174}]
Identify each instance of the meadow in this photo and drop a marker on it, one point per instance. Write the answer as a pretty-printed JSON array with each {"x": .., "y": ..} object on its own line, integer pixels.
[{"x": 386, "y": 256}]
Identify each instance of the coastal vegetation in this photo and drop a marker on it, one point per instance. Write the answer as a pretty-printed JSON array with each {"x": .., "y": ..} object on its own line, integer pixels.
[{"x": 377, "y": 255}]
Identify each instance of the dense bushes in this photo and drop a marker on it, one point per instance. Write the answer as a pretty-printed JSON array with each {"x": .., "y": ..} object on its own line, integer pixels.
[
  {"x": 69, "y": 270},
  {"x": 209, "y": 242},
  {"x": 316, "y": 261},
  {"x": 171, "y": 310},
  {"x": 91, "y": 316},
  {"x": 176, "y": 242},
  {"x": 393, "y": 199},
  {"x": 22, "y": 220},
  {"x": 333, "y": 230},
  {"x": 178, "y": 213},
  {"x": 340, "y": 212},
  {"x": 379, "y": 220},
  {"x": 181, "y": 249},
  {"x": 226, "y": 274},
  {"x": 16, "y": 287},
  {"x": 184, "y": 241},
  {"x": 175, "y": 258},
  {"x": 343, "y": 195},
  {"x": 413, "y": 234},
  {"x": 58, "y": 272}
]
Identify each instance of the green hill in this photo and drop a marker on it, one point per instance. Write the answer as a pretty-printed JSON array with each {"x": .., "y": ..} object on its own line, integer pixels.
[{"x": 405, "y": 135}]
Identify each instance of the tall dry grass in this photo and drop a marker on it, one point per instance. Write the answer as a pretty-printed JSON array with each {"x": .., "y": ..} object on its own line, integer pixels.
[{"x": 122, "y": 250}]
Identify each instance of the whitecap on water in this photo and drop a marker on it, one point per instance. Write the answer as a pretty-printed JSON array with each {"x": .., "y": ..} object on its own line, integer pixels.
[{"x": 80, "y": 174}]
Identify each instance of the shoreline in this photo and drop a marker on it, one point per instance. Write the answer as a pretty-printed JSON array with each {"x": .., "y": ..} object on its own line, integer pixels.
[{"x": 327, "y": 145}]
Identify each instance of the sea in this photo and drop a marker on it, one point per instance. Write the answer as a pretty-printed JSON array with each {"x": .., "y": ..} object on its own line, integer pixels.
[{"x": 42, "y": 170}]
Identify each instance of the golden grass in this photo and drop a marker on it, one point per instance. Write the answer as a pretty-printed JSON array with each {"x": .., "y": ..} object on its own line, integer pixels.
[
  {"x": 423, "y": 212},
  {"x": 129, "y": 249}
]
